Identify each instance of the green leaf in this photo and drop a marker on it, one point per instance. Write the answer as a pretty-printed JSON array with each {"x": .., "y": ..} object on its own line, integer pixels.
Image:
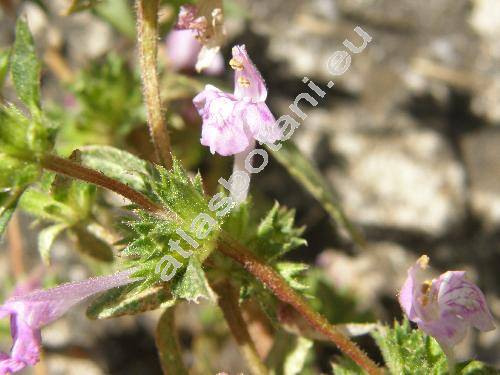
[
  {"x": 25, "y": 67},
  {"x": 276, "y": 234},
  {"x": 408, "y": 351},
  {"x": 346, "y": 366},
  {"x": 59, "y": 200},
  {"x": 4, "y": 66},
  {"x": 475, "y": 368},
  {"x": 293, "y": 273},
  {"x": 290, "y": 355},
  {"x": 117, "y": 164},
  {"x": 308, "y": 175},
  {"x": 150, "y": 239},
  {"x": 127, "y": 300},
  {"x": 8, "y": 204},
  {"x": 193, "y": 285},
  {"x": 89, "y": 244},
  {"x": 46, "y": 238},
  {"x": 296, "y": 358},
  {"x": 108, "y": 106}
]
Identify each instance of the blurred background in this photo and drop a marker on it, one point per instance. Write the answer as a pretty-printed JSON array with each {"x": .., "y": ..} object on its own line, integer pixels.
[{"x": 409, "y": 138}]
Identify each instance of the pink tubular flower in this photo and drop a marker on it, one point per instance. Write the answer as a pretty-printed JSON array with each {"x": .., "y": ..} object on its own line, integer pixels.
[
  {"x": 232, "y": 122},
  {"x": 29, "y": 312},
  {"x": 444, "y": 307}
]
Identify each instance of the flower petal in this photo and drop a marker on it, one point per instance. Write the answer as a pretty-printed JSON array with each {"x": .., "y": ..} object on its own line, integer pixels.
[
  {"x": 248, "y": 82},
  {"x": 260, "y": 121},
  {"x": 44, "y": 306},
  {"x": 460, "y": 297},
  {"x": 222, "y": 128},
  {"x": 182, "y": 49},
  {"x": 29, "y": 312},
  {"x": 448, "y": 330}
]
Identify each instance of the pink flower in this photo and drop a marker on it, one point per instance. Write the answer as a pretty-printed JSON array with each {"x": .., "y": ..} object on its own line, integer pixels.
[
  {"x": 33, "y": 310},
  {"x": 232, "y": 122},
  {"x": 206, "y": 21},
  {"x": 444, "y": 307},
  {"x": 182, "y": 52}
]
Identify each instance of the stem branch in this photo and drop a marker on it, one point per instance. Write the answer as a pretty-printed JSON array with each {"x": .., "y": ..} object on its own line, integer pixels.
[
  {"x": 228, "y": 303},
  {"x": 228, "y": 246},
  {"x": 168, "y": 345},
  {"x": 147, "y": 31},
  {"x": 270, "y": 278}
]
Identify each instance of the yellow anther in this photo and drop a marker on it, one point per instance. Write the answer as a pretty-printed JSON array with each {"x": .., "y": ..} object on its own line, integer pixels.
[
  {"x": 243, "y": 82},
  {"x": 425, "y": 289},
  {"x": 236, "y": 64}
]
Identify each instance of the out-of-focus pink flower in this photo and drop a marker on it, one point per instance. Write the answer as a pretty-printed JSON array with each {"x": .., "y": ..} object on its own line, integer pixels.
[
  {"x": 232, "y": 122},
  {"x": 33, "y": 310},
  {"x": 444, "y": 307},
  {"x": 206, "y": 21},
  {"x": 183, "y": 49}
]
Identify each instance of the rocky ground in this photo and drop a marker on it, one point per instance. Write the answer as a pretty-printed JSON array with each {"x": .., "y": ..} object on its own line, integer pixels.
[{"x": 409, "y": 137}]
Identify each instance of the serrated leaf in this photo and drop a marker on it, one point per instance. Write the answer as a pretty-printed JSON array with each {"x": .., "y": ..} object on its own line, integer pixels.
[
  {"x": 117, "y": 164},
  {"x": 46, "y": 238},
  {"x": 276, "y": 234},
  {"x": 308, "y": 175},
  {"x": 25, "y": 67},
  {"x": 292, "y": 272},
  {"x": 127, "y": 300},
  {"x": 4, "y": 66},
  {"x": 408, "y": 351},
  {"x": 161, "y": 249},
  {"x": 193, "y": 284}
]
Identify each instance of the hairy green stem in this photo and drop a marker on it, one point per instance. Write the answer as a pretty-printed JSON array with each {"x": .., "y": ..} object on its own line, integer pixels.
[
  {"x": 271, "y": 279},
  {"x": 168, "y": 345},
  {"x": 228, "y": 303},
  {"x": 147, "y": 32}
]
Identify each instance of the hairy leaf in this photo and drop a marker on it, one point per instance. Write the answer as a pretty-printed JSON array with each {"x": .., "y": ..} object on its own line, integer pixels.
[
  {"x": 117, "y": 164},
  {"x": 127, "y": 300},
  {"x": 276, "y": 234},
  {"x": 191, "y": 230},
  {"x": 25, "y": 67},
  {"x": 408, "y": 351},
  {"x": 193, "y": 284}
]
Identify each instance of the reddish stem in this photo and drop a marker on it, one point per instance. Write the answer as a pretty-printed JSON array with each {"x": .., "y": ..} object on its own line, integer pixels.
[{"x": 269, "y": 277}]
